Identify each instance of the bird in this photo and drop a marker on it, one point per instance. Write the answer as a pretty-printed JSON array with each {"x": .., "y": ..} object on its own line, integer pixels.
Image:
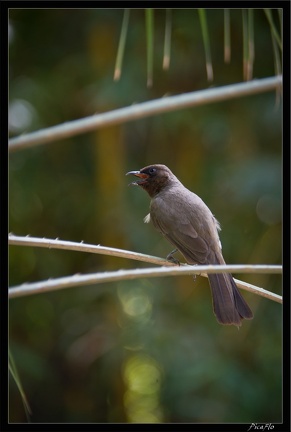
[{"x": 188, "y": 224}]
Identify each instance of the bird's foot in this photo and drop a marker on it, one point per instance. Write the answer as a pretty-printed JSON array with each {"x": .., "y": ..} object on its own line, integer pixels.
[{"x": 171, "y": 258}]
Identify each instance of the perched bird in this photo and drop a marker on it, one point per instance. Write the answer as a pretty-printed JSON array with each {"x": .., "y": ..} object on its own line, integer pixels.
[{"x": 188, "y": 224}]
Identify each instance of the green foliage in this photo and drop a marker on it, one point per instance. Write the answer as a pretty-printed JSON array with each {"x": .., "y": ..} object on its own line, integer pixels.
[
  {"x": 14, "y": 373},
  {"x": 148, "y": 350}
]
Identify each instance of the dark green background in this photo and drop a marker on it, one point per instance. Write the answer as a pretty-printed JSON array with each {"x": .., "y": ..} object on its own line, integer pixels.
[{"x": 148, "y": 350}]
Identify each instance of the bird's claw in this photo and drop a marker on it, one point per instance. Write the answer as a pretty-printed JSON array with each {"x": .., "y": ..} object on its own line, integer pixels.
[{"x": 171, "y": 258}]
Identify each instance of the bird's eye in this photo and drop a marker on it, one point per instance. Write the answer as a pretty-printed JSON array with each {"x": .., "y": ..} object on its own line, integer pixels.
[{"x": 152, "y": 170}]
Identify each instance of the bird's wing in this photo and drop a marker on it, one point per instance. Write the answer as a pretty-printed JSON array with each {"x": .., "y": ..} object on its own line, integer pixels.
[
  {"x": 180, "y": 231},
  {"x": 194, "y": 249}
]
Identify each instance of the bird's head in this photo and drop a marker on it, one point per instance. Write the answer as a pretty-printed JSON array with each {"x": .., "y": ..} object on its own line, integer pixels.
[{"x": 153, "y": 178}]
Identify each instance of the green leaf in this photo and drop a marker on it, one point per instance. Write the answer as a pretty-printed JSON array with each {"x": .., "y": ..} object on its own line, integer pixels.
[
  {"x": 14, "y": 373},
  {"x": 251, "y": 46},
  {"x": 227, "y": 49},
  {"x": 248, "y": 43},
  {"x": 150, "y": 45},
  {"x": 205, "y": 35},
  {"x": 273, "y": 27},
  {"x": 167, "y": 43},
  {"x": 121, "y": 45}
]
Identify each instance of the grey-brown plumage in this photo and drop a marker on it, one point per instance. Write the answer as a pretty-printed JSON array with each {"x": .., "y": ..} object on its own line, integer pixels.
[{"x": 187, "y": 223}]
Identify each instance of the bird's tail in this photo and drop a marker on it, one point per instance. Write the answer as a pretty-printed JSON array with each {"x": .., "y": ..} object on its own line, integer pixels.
[{"x": 228, "y": 304}]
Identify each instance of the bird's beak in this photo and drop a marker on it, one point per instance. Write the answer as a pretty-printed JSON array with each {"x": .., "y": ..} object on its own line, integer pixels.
[{"x": 143, "y": 177}]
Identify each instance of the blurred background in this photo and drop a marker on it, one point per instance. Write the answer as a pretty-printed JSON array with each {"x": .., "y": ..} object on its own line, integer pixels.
[{"x": 149, "y": 350}]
